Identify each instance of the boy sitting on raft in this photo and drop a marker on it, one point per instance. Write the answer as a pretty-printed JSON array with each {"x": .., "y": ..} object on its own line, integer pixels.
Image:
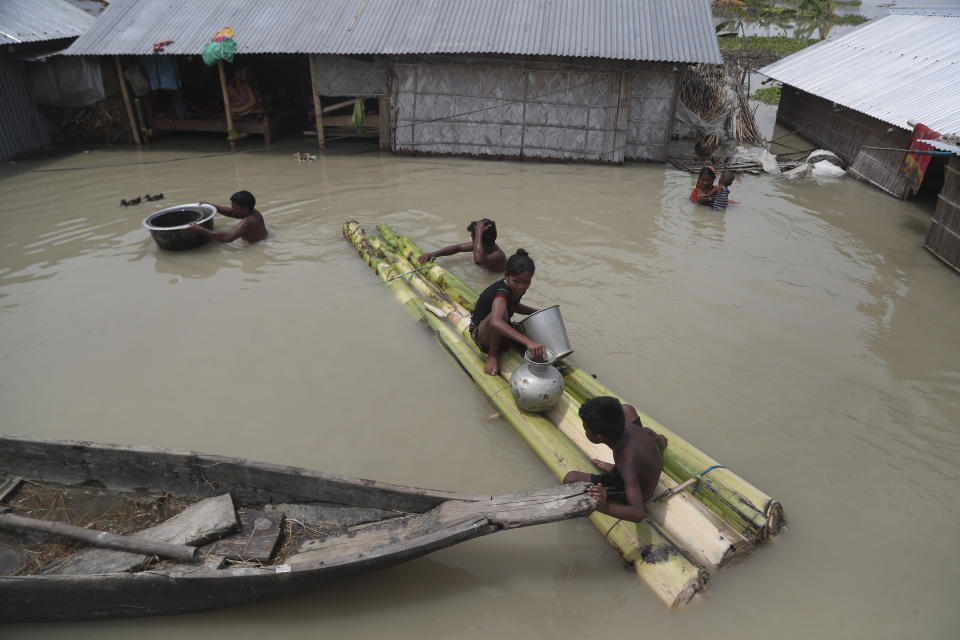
[
  {"x": 251, "y": 228},
  {"x": 490, "y": 325},
  {"x": 636, "y": 454},
  {"x": 483, "y": 244}
]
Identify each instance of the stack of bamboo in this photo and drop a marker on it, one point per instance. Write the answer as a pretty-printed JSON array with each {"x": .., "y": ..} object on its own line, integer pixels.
[{"x": 716, "y": 517}]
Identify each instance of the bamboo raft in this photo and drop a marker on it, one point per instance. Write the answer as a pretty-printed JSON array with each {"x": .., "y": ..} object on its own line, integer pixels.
[{"x": 711, "y": 515}]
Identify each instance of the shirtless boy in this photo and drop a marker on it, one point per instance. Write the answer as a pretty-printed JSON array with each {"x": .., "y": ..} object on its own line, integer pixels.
[
  {"x": 636, "y": 454},
  {"x": 483, "y": 245},
  {"x": 251, "y": 227}
]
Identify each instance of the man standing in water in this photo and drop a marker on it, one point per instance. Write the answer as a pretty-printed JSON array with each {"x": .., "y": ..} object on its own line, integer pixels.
[
  {"x": 483, "y": 244},
  {"x": 636, "y": 454},
  {"x": 251, "y": 227}
]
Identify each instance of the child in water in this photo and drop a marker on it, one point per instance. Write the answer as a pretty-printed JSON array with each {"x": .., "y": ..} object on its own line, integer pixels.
[
  {"x": 251, "y": 227},
  {"x": 490, "y": 325},
  {"x": 721, "y": 193},
  {"x": 637, "y": 456}
]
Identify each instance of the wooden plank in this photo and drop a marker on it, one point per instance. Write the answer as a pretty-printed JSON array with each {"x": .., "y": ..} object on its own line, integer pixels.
[
  {"x": 226, "y": 103},
  {"x": 441, "y": 525},
  {"x": 318, "y": 113},
  {"x": 8, "y": 484},
  {"x": 255, "y": 540},
  {"x": 126, "y": 101},
  {"x": 384, "y": 110},
  {"x": 203, "y": 521},
  {"x": 97, "y": 538},
  {"x": 319, "y": 514}
]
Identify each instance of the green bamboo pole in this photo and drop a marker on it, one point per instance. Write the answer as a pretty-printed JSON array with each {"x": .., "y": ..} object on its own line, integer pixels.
[
  {"x": 672, "y": 576},
  {"x": 459, "y": 291},
  {"x": 749, "y": 510}
]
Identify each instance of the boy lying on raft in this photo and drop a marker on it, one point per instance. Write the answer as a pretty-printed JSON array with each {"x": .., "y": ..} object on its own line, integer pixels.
[
  {"x": 637, "y": 454},
  {"x": 490, "y": 325},
  {"x": 483, "y": 245}
]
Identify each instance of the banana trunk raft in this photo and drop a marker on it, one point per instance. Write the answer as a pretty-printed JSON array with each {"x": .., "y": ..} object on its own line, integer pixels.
[{"x": 709, "y": 515}]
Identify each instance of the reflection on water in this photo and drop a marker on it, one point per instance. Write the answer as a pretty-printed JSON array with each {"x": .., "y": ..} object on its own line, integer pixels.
[{"x": 802, "y": 337}]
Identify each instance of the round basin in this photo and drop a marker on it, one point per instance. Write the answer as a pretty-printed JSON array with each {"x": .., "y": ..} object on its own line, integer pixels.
[{"x": 170, "y": 227}]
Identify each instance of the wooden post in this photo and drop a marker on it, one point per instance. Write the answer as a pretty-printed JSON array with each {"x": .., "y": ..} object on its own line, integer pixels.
[
  {"x": 231, "y": 135},
  {"x": 316, "y": 104},
  {"x": 126, "y": 101},
  {"x": 384, "y": 123},
  {"x": 102, "y": 538}
]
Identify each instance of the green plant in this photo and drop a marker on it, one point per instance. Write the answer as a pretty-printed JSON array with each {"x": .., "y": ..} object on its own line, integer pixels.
[{"x": 767, "y": 95}]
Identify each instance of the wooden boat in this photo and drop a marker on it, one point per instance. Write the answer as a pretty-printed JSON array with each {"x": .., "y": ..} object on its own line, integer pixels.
[{"x": 297, "y": 528}]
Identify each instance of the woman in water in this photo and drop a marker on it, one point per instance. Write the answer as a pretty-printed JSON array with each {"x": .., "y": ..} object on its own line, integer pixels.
[
  {"x": 702, "y": 193},
  {"x": 490, "y": 325}
]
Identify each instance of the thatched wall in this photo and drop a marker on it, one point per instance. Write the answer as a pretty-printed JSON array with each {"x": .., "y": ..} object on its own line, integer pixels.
[
  {"x": 943, "y": 239},
  {"x": 845, "y": 131},
  {"x": 535, "y": 109}
]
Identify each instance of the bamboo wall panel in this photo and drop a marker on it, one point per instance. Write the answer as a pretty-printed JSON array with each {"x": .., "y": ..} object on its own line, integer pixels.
[
  {"x": 512, "y": 108},
  {"x": 24, "y": 128},
  {"x": 845, "y": 131},
  {"x": 943, "y": 238},
  {"x": 344, "y": 76},
  {"x": 653, "y": 101}
]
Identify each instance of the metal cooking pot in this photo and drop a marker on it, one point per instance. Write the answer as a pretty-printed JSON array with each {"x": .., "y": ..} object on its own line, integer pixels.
[
  {"x": 546, "y": 327},
  {"x": 170, "y": 227}
]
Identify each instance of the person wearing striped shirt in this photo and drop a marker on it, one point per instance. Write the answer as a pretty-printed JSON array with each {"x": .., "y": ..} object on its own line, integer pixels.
[{"x": 721, "y": 192}]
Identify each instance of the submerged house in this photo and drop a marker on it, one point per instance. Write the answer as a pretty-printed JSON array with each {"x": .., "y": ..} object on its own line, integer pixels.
[
  {"x": 859, "y": 95},
  {"x": 29, "y": 31},
  {"x": 587, "y": 80}
]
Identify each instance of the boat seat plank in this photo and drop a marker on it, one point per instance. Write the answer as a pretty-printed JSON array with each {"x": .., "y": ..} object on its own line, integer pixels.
[
  {"x": 201, "y": 522},
  {"x": 254, "y": 541}
]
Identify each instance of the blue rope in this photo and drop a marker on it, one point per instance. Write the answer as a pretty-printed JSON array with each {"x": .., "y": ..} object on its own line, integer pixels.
[
  {"x": 699, "y": 484},
  {"x": 709, "y": 469}
]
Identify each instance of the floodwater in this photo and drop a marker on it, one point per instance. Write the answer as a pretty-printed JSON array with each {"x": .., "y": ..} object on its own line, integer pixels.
[{"x": 803, "y": 338}]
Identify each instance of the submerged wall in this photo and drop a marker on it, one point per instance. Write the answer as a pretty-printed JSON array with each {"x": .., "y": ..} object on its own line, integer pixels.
[
  {"x": 533, "y": 109},
  {"x": 845, "y": 131},
  {"x": 943, "y": 239},
  {"x": 24, "y": 128}
]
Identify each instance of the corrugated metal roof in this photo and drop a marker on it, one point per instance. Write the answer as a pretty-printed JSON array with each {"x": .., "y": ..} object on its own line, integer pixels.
[
  {"x": 944, "y": 146},
  {"x": 905, "y": 66},
  {"x": 40, "y": 20},
  {"x": 656, "y": 30}
]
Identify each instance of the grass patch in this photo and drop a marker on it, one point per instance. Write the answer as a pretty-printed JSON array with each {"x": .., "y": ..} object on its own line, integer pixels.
[
  {"x": 847, "y": 3},
  {"x": 781, "y": 45},
  {"x": 767, "y": 95}
]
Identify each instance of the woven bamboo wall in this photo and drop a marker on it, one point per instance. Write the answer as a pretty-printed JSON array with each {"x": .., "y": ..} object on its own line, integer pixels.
[
  {"x": 844, "y": 131},
  {"x": 532, "y": 109},
  {"x": 653, "y": 105},
  {"x": 943, "y": 239},
  {"x": 24, "y": 128},
  {"x": 346, "y": 76}
]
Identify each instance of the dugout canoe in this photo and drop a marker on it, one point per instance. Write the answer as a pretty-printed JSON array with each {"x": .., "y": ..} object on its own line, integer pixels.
[{"x": 327, "y": 526}]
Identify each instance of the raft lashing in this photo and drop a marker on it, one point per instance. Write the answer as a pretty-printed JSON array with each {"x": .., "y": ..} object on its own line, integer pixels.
[{"x": 710, "y": 515}]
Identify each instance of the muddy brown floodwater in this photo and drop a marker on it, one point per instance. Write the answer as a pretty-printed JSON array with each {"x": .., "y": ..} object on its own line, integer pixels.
[{"x": 803, "y": 338}]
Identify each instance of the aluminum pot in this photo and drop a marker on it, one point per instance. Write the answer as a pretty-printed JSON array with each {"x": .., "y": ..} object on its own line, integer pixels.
[
  {"x": 546, "y": 327},
  {"x": 536, "y": 386},
  {"x": 170, "y": 227}
]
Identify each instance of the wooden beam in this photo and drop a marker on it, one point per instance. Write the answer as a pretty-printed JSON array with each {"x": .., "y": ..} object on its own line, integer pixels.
[
  {"x": 101, "y": 538},
  {"x": 316, "y": 104},
  {"x": 339, "y": 105},
  {"x": 231, "y": 134},
  {"x": 126, "y": 101}
]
